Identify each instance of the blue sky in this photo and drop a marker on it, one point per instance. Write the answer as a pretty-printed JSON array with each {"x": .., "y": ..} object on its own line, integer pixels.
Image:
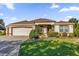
[{"x": 12, "y": 12}]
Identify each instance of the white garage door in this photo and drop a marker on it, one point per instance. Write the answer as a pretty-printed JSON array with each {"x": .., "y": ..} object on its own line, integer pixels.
[{"x": 21, "y": 31}]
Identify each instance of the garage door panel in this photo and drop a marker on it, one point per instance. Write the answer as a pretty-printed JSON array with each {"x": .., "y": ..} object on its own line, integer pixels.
[{"x": 21, "y": 31}]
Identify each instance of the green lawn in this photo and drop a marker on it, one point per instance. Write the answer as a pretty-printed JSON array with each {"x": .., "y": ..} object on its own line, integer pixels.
[
  {"x": 50, "y": 47},
  {"x": 2, "y": 34}
]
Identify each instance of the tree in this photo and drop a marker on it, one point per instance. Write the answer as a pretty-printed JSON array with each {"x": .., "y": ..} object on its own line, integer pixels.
[
  {"x": 76, "y": 32},
  {"x": 74, "y": 20},
  {"x": 2, "y": 24}
]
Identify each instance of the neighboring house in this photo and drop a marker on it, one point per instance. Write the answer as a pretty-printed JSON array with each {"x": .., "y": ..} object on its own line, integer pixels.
[{"x": 23, "y": 28}]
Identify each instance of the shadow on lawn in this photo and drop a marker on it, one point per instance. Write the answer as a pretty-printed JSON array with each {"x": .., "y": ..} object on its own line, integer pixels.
[{"x": 49, "y": 48}]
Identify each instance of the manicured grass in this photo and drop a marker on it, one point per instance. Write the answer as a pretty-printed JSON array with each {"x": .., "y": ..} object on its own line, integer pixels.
[{"x": 50, "y": 47}]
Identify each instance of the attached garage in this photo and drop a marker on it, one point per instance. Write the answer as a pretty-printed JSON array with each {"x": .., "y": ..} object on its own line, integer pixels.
[{"x": 21, "y": 31}]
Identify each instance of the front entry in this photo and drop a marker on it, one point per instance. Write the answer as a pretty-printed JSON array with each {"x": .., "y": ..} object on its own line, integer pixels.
[{"x": 45, "y": 28}]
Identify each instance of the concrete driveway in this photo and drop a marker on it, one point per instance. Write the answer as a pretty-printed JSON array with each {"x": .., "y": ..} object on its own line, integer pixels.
[{"x": 9, "y": 46}]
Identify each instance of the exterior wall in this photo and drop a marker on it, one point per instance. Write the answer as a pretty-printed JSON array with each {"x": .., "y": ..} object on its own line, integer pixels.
[
  {"x": 71, "y": 28},
  {"x": 45, "y": 31},
  {"x": 8, "y": 31},
  {"x": 33, "y": 27},
  {"x": 56, "y": 28}
]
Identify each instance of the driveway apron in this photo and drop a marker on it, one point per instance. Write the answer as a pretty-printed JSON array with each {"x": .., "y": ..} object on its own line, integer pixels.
[{"x": 10, "y": 47}]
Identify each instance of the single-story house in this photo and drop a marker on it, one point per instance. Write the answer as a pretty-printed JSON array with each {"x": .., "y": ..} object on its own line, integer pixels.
[{"x": 23, "y": 28}]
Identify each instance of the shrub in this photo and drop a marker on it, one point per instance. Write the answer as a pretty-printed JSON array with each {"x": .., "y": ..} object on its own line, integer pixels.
[
  {"x": 38, "y": 29},
  {"x": 51, "y": 33},
  {"x": 33, "y": 34},
  {"x": 64, "y": 34},
  {"x": 76, "y": 31},
  {"x": 55, "y": 34},
  {"x": 42, "y": 36},
  {"x": 71, "y": 34},
  {"x": 59, "y": 34}
]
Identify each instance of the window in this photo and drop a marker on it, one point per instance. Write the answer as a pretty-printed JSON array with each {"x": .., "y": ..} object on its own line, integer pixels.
[{"x": 64, "y": 29}]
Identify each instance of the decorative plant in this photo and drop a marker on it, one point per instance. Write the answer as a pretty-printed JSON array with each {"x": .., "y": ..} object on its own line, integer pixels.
[{"x": 51, "y": 33}]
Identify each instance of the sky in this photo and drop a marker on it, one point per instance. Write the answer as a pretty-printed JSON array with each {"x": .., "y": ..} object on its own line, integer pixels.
[{"x": 13, "y": 12}]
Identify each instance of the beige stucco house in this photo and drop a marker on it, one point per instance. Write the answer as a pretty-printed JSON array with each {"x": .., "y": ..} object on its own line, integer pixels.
[{"x": 23, "y": 28}]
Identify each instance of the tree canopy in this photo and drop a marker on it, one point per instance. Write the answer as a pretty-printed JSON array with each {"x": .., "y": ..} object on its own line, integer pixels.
[
  {"x": 2, "y": 24},
  {"x": 76, "y": 32},
  {"x": 74, "y": 20}
]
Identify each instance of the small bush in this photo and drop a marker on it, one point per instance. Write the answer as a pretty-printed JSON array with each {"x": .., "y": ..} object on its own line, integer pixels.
[
  {"x": 33, "y": 34},
  {"x": 42, "y": 36},
  {"x": 76, "y": 31},
  {"x": 55, "y": 34},
  {"x": 38, "y": 29},
  {"x": 36, "y": 32},
  {"x": 71, "y": 35},
  {"x": 51, "y": 33},
  {"x": 64, "y": 34}
]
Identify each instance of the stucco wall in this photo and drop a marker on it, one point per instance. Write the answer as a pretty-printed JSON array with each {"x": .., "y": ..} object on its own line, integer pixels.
[
  {"x": 8, "y": 31},
  {"x": 56, "y": 28},
  {"x": 70, "y": 28}
]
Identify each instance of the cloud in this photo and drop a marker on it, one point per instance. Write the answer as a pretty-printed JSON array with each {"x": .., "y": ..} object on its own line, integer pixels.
[
  {"x": 71, "y": 8},
  {"x": 13, "y": 18},
  {"x": 54, "y": 6},
  {"x": 10, "y": 18},
  {"x": 6, "y": 1},
  {"x": 1, "y": 14},
  {"x": 68, "y": 17},
  {"x": 9, "y": 5}
]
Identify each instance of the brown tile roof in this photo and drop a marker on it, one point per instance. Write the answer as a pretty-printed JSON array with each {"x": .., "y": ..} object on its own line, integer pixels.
[
  {"x": 63, "y": 22},
  {"x": 41, "y": 20},
  {"x": 24, "y": 22}
]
